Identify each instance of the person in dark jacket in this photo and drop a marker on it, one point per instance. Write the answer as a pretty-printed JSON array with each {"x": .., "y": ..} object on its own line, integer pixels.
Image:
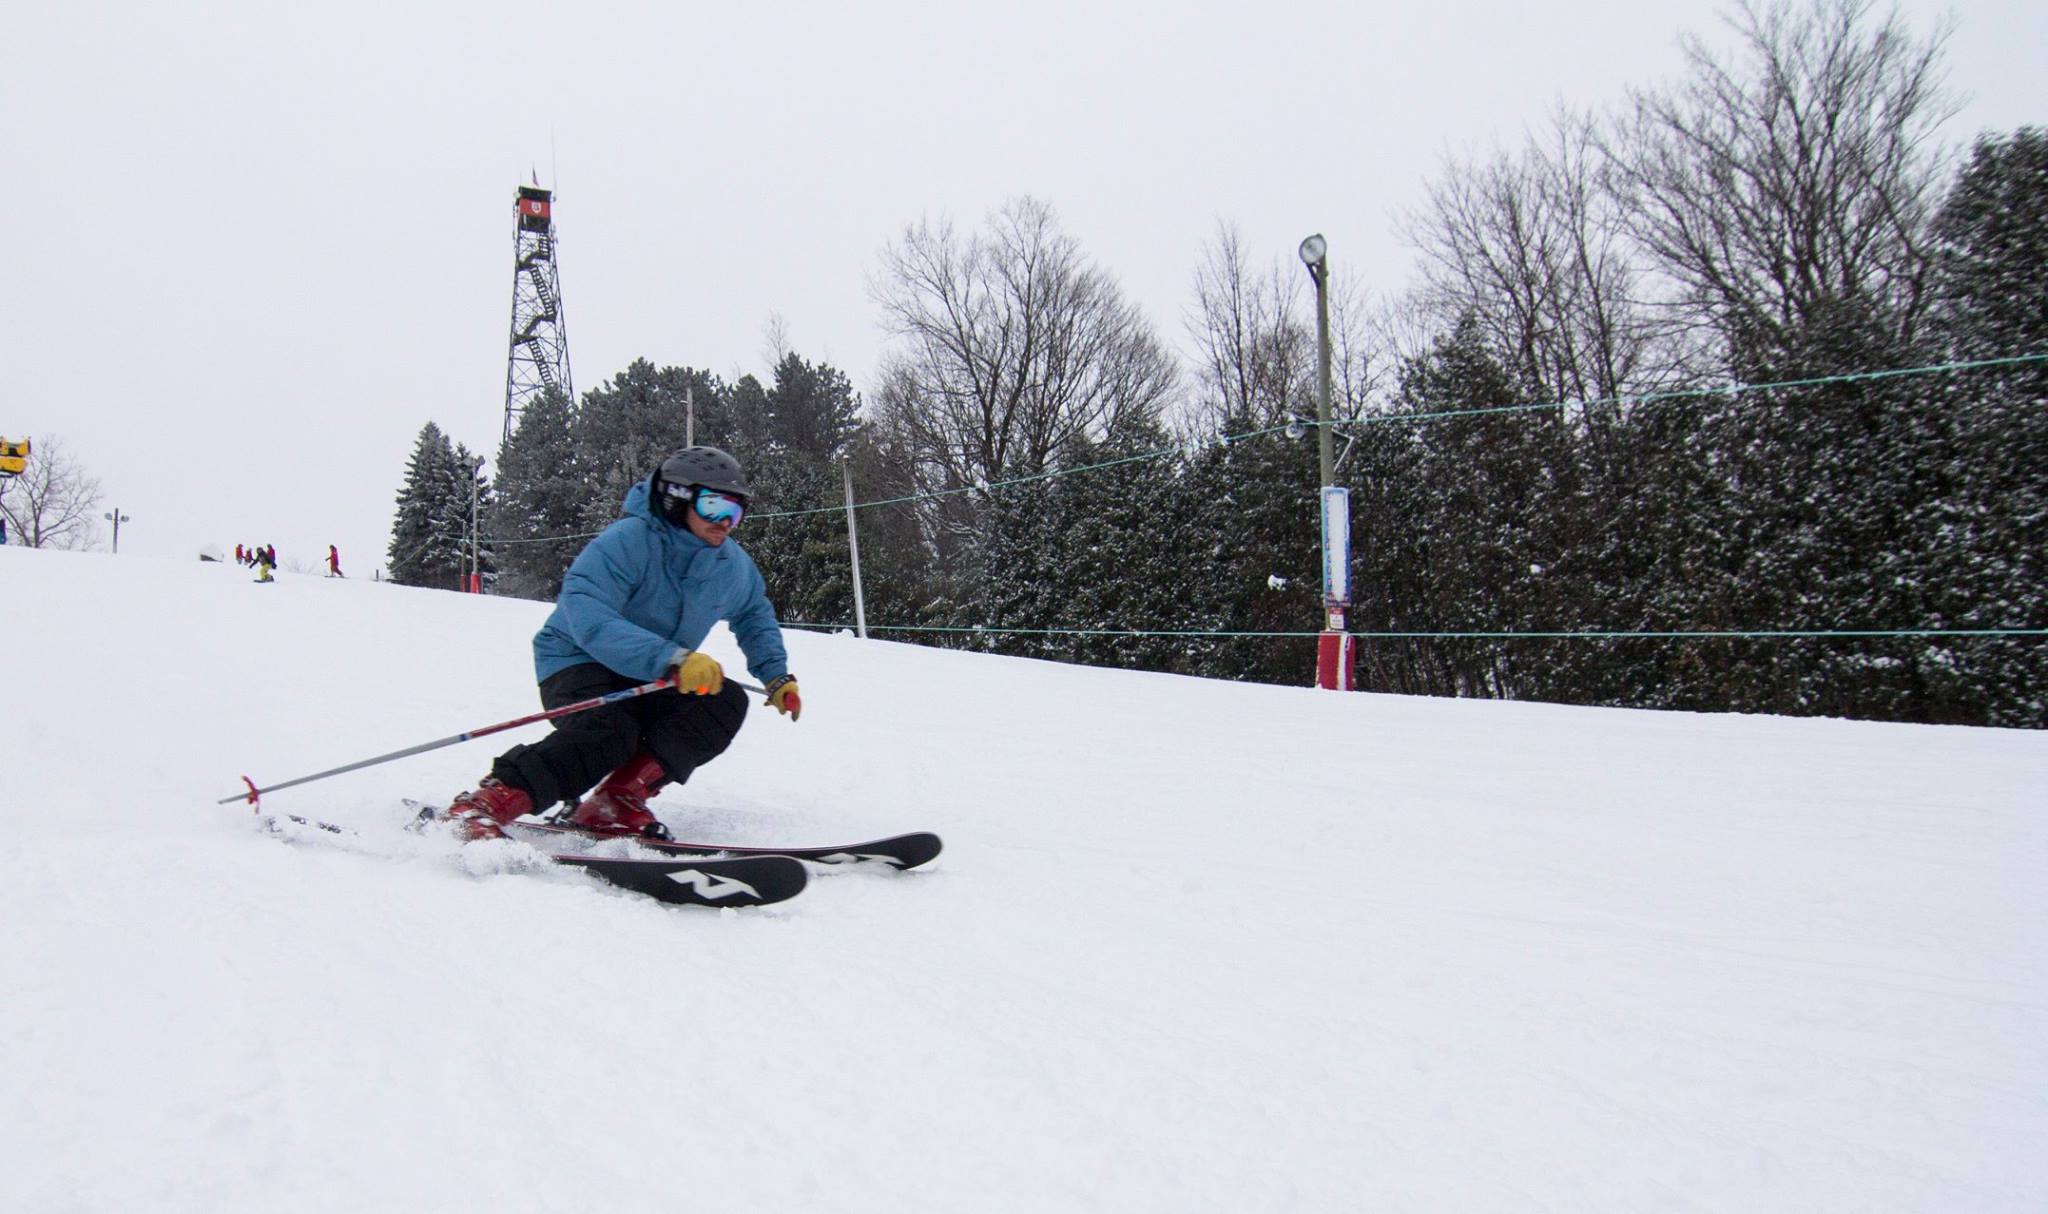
[{"x": 634, "y": 607}]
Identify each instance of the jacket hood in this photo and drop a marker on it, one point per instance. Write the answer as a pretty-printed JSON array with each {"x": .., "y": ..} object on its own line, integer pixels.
[{"x": 640, "y": 501}]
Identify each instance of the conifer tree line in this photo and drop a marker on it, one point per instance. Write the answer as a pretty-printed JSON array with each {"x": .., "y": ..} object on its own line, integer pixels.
[{"x": 1785, "y": 212}]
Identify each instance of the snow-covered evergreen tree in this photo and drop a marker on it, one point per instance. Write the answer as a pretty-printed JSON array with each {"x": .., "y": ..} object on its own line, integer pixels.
[
  {"x": 1825, "y": 482},
  {"x": 1020, "y": 578},
  {"x": 636, "y": 419},
  {"x": 812, "y": 410},
  {"x": 540, "y": 497},
  {"x": 790, "y": 437},
  {"x": 1483, "y": 527},
  {"x": 1990, "y": 293},
  {"x": 1253, "y": 526},
  {"x": 796, "y": 533},
  {"x": 1127, "y": 558},
  {"x": 430, "y": 535}
]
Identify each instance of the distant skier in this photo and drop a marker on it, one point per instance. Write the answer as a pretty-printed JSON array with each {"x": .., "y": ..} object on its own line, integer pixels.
[
  {"x": 238, "y": 554},
  {"x": 334, "y": 562},
  {"x": 263, "y": 566},
  {"x": 634, "y": 606}
]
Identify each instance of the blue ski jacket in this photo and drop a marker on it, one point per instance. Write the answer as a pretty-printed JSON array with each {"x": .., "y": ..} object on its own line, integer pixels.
[{"x": 645, "y": 591}]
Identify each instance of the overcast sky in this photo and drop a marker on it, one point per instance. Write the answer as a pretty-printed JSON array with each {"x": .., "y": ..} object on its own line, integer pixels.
[{"x": 252, "y": 248}]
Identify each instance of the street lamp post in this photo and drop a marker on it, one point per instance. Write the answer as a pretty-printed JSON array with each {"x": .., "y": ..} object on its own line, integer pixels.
[
  {"x": 117, "y": 518},
  {"x": 1315, "y": 254},
  {"x": 1335, "y": 654}
]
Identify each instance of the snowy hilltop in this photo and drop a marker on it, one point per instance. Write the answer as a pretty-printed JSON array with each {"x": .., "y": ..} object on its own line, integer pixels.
[{"x": 1192, "y": 945}]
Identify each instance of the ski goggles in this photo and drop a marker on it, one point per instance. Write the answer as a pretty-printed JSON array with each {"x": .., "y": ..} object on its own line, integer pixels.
[{"x": 715, "y": 507}]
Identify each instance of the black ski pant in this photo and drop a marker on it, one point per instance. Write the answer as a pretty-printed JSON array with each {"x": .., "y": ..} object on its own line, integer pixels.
[{"x": 682, "y": 732}]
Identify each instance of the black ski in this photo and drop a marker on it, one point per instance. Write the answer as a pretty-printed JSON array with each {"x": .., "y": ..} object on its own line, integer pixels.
[
  {"x": 701, "y": 880},
  {"x": 895, "y": 851},
  {"x": 686, "y": 880}
]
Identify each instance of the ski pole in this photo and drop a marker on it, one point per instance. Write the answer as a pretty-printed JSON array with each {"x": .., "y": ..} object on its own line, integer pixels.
[{"x": 253, "y": 793}]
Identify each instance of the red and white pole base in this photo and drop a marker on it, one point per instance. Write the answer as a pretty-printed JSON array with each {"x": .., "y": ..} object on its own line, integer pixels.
[
  {"x": 1336, "y": 652},
  {"x": 1336, "y": 649},
  {"x": 1336, "y": 659}
]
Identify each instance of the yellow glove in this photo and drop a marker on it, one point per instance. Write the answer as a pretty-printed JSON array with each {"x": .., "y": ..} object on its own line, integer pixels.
[
  {"x": 698, "y": 673},
  {"x": 782, "y": 697}
]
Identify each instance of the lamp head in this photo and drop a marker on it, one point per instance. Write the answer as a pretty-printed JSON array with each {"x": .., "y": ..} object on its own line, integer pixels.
[{"x": 1313, "y": 250}]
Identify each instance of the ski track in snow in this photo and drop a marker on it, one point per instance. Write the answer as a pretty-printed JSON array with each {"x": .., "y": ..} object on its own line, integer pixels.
[{"x": 1192, "y": 945}]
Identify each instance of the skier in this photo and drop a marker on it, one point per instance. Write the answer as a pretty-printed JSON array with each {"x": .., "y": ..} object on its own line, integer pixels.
[
  {"x": 263, "y": 566},
  {"x": 634, "y": 607},
  {"x": 334, "y": 562}
]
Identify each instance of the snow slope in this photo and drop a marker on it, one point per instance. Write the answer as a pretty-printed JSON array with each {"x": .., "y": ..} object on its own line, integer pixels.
[{"x": 1193, "y": 946}]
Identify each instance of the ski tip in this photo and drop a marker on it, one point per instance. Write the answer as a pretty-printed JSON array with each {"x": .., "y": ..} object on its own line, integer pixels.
[{"x": 916, "y": 850}]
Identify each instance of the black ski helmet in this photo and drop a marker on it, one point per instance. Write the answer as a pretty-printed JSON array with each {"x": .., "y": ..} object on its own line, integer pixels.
[{"x": 676, "y": 481}]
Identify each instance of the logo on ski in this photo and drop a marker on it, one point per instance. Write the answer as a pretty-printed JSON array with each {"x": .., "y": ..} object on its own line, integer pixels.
[
  {"x": 851, "y": 857},
  {"x": 710, "y": 886}
]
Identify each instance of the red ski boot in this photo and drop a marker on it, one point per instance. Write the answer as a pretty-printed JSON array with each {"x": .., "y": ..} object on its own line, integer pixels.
[
  {"x": 481, "y": 814},
  {"x": 619, "y": 805}
]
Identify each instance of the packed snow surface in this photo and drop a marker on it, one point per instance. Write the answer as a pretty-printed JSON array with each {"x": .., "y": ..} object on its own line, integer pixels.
[{"x": 1193, "y": 945}]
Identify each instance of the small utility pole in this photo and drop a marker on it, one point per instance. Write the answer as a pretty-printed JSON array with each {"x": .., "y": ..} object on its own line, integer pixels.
[
  {"x": 476, "y": 584},
  {"x": 117, "y": 518},
  {"x": 689, "y": 415},
  {"x": 860, "y": 611}
]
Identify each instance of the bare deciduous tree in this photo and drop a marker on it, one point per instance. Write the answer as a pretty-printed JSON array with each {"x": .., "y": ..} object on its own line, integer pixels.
[
  {"x": 1532, "y": 246},
  {"x": 1257, "y": 358},
  {"x": 775, "y": 342},
  {"x": 52, "y": 503},
  {"x": 1799, "y": 176},
  {"x": 1013, "y": 344},
  {"x": 1255, "y": 339}
]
